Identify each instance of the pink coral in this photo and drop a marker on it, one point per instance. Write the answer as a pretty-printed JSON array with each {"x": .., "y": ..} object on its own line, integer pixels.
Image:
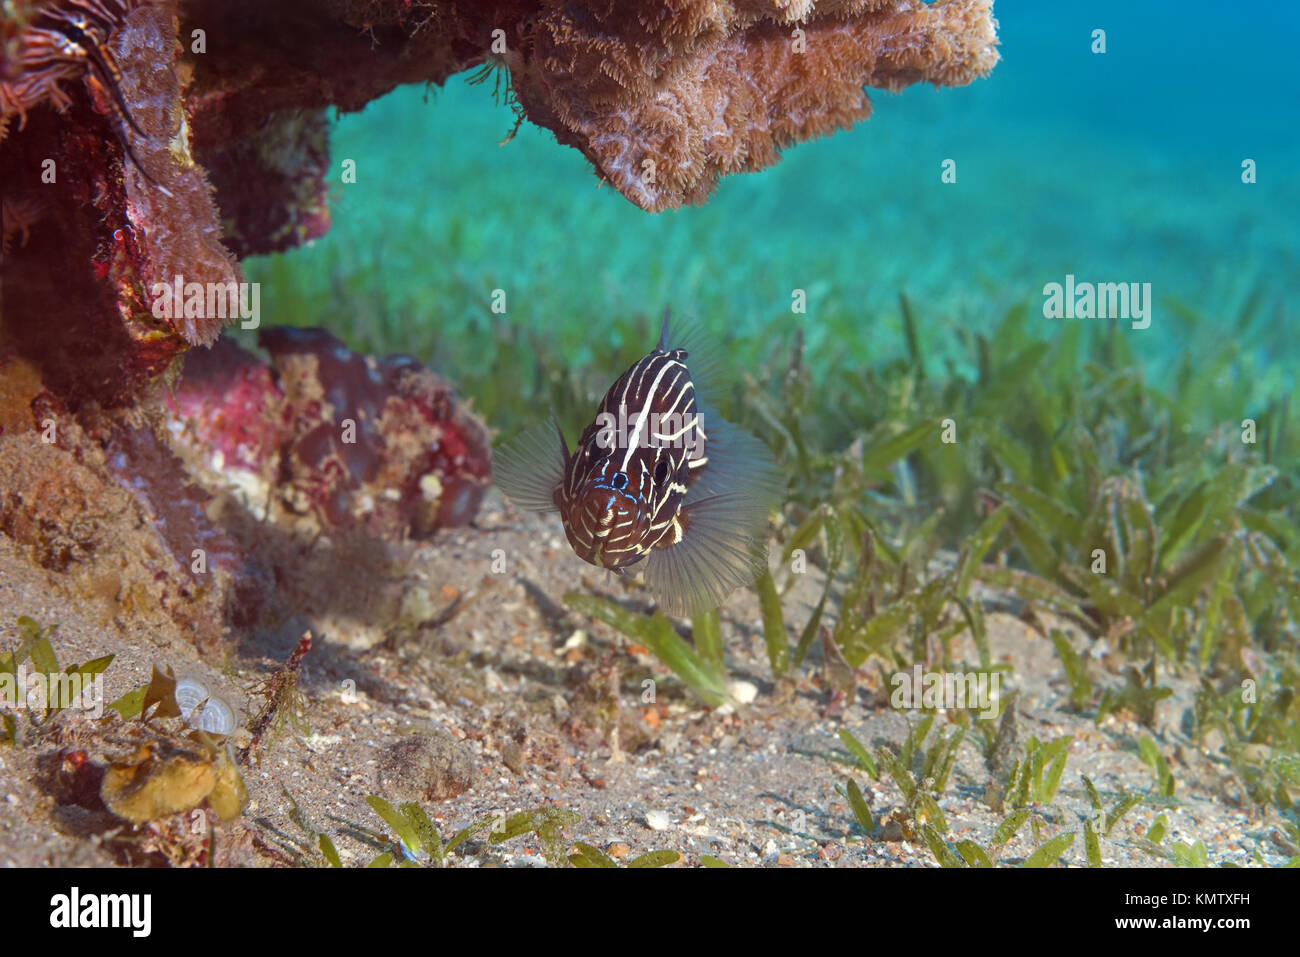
[{"x": 327, "y": 434}]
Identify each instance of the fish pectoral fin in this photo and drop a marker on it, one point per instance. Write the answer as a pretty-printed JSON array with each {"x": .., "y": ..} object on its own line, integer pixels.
[
  {"x": 530, "y": 467},
  {"x": 716, "y": 555},
  {"x": 739, "y": 467},
  {"x": 722, "y": 543}
]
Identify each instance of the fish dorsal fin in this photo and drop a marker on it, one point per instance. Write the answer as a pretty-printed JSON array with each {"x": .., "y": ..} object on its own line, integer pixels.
[
  {"x": 703, "y": 357},
  {"x": 564, "y": 446},
  {"x": 530, "y": 467},
  {"x": 664, "y": 330}
]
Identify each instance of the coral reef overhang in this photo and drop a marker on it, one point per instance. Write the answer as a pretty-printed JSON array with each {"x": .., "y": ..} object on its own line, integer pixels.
[
  {"x": 665, "y": 99},
  {"x": 170, "y": 138}
]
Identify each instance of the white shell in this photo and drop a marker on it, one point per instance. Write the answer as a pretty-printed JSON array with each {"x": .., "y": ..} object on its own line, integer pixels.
[{"x": 216, "y": 716}]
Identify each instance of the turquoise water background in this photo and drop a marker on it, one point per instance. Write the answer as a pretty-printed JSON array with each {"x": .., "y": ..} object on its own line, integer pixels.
[{"x": 1116, "y": 167}]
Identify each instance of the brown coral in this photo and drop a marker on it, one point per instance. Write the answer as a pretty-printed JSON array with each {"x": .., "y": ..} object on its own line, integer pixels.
[
  {"x": 174, "y": 216},
  {"x": 105, "y": 201},
  {"x": 665, "y": 104},
  {"x": 663, "y": 98}
]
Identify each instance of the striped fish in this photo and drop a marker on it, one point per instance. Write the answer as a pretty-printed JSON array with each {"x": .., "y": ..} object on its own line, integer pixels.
[{"x": 656, "y": 482}]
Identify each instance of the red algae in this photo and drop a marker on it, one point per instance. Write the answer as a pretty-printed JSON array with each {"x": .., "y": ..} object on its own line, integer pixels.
[{"x": 324, "y": 434}]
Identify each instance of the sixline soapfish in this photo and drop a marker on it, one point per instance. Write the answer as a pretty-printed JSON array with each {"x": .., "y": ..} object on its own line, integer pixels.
[{"x": 657, "y": 481}]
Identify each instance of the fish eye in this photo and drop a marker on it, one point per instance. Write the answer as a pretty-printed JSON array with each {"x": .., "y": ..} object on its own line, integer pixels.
[
  {"x": 661, "y": 472},
  {"x": 619, "y": 481}
]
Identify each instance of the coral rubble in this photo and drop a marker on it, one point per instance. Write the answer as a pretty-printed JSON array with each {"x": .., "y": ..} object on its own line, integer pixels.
[
  {"x": 110, "y": 513},
  {"x": 338, "y": 439},
  {"x": 260, "y": 486}
]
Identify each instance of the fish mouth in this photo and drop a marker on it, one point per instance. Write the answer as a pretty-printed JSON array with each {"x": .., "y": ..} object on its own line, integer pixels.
[
  {"x": 600, "y": 558},
  {"x": 597, "y": 556},
  {"x": 605, "y": 525},
  {"x": 601, "y": 552}
]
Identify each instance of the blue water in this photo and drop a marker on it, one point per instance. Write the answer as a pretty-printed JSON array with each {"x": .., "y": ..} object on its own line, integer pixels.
[{"x": 1117, "y": 167}]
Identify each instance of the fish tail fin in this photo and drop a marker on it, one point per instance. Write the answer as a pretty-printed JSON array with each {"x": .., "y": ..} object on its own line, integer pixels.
[
  {"x": 724, "y": 541},
  {"x": 530, "y": 467}
]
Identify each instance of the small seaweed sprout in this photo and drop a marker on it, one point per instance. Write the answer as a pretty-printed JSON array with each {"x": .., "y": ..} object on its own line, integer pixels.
[{"x": 503, "y": 91}]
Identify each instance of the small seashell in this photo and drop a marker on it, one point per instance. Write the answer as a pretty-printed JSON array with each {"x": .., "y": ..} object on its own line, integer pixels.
[
  {"x": 189, "y": 695},
  {"x": 213, "y": 715},
  {"x": 742, "y": 692}
]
